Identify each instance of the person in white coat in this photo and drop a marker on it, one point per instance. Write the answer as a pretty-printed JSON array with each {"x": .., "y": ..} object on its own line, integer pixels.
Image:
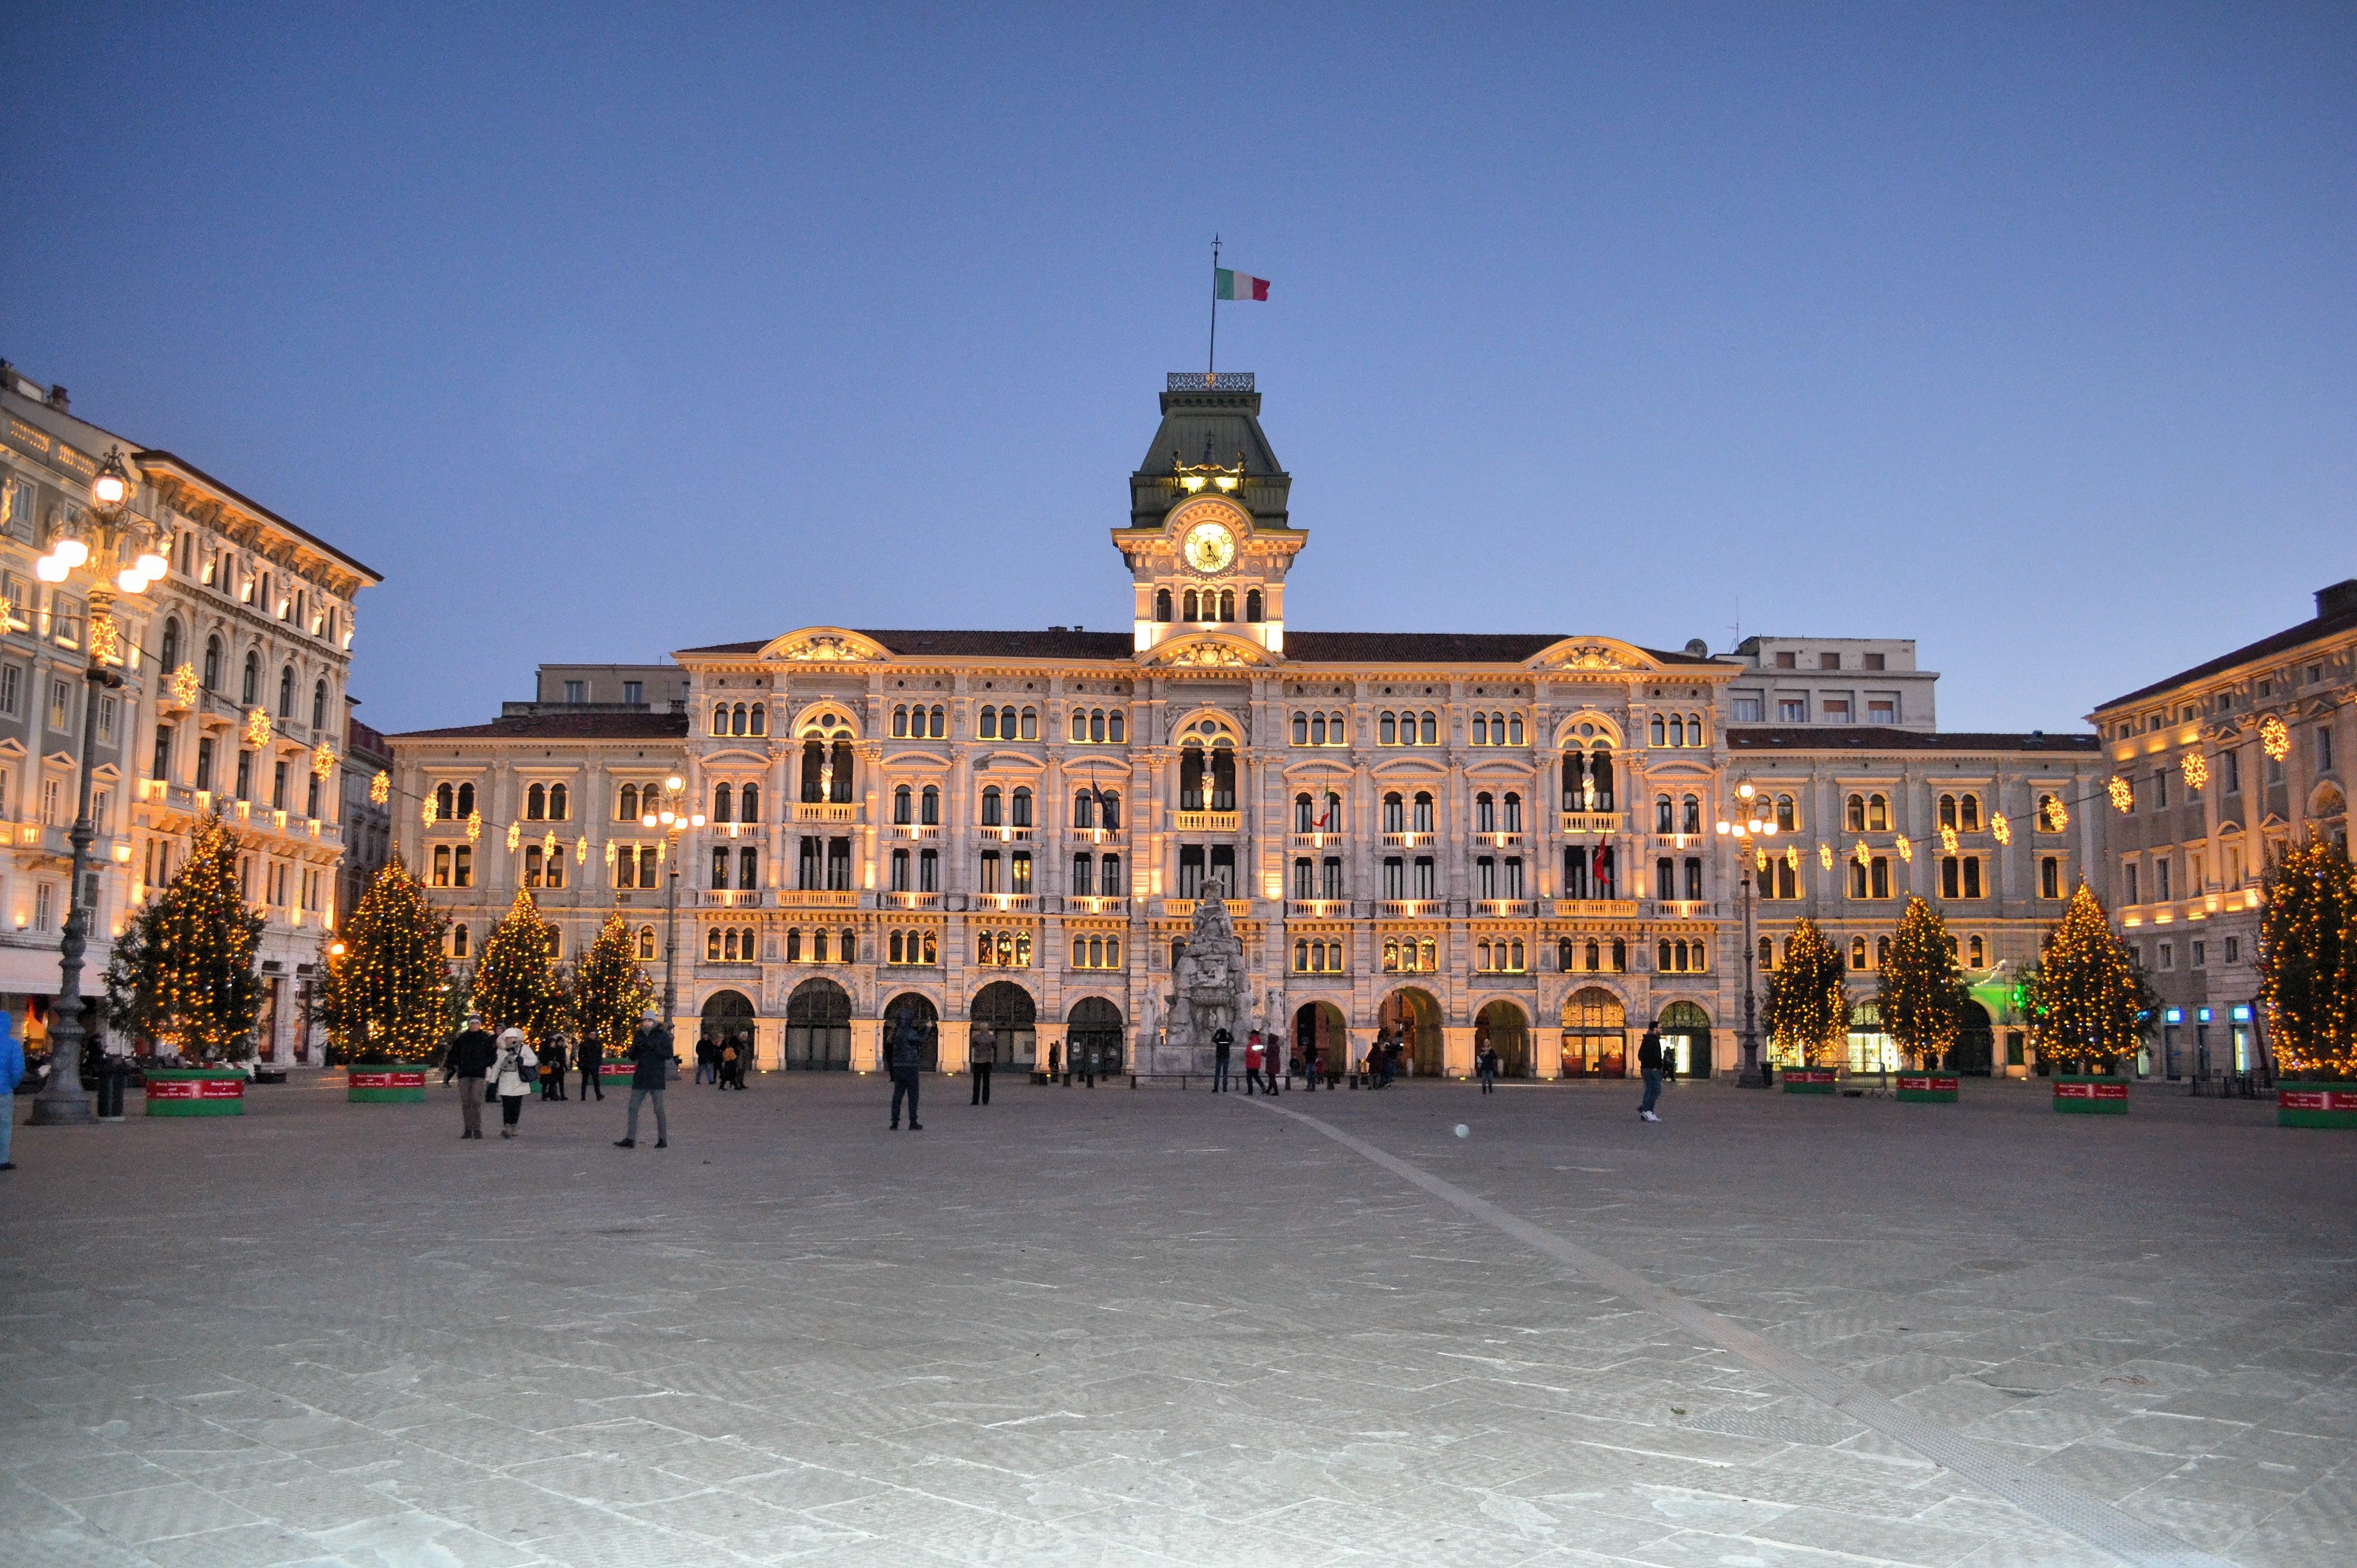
[{"x": 513, "y": 1073}]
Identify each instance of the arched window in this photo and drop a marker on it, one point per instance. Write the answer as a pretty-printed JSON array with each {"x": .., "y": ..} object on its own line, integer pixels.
[
  {"x": 902, "y": 799},
  {"x": 1767, "y": 952},
  {"x": 712, "y": 945},
  {"x": 558, "y": 805},
  {"x": 720, "y": 718},
  {"x": 1304, "y": 813},
  {"x": 458, "y": 940},
  {"x": 1665, "y": 814},
  {"x": 1394, "y": 814},
  {"x": 929, "y": 807},
  {"x": 940, "y": 722},
  {"x": 1878, "y": 814},
  {"x": 1854, "y": 813},
  {"x": 740, "y": 718},
  {"x": 1661, "y": 731},
  {"x": 748, "y": 803},
  {"x": 1513, "y": 729},
  {"x": 992, "y": 803},
  {"x": 1387, "y": 730},
  {"x": 1301, "y": 729},
  {"x": 794, "y": 946},
  {"x": 1691, "y": 821},
  {"x": 1481, "y": 729},
  {"x": 627, "y": 807},
  {"x": 535, "y": 802},
  {"x": 646, "y": 943},
  {"x": 1431, "y": 729},
  {"x": 1251, "y": 606},
  {"x": 1162, "y": 604},
  {"x": 442, "y": 803},
  {"x": 986, "y": 724},
  {"x": 465, "y": 800},
  {"x": 1084, "y": 809},
  {"x": 319, "y": 705},
  {"x": 1976, "y": 953},
  {"x": 1485, "y": 813},
  {"x": 1968, "y": 813},
  {"x": 1019, "y": 813},
  {"x": 760, "y": 719},
  {"x": 1227, "y": 604},
  {"x": 171, "y": 644},
  {"x": 1677, "y": 730},
  {"x": 212, "y": 664},
  {"x": 1193, "y": 606},
  {"x": 841, "y": 794},
  {"x": 1512, "y": 818},
  {"x": 286, "y": 692},
  {"x": 900, "y": 722},
  {"x": 1785, "y": 815},
  {"x": 723, "y": 801},
  {"x": 1030, "y": 723},
  {"x": 1663, "y": 958},
  {"x": 253, "y": 686},
  {"x": 1113, "y": 723},
  {"x": 1422, "y": 817},
  {"x": 1947, "y": 810}
]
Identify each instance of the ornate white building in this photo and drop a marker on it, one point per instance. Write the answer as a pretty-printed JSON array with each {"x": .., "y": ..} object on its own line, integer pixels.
[
  {"x": 234, "y": 674},
  {"x": 1478, "y": 838}
]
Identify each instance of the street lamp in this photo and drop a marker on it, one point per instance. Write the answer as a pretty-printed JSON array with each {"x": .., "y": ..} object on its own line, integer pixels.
[
  {"x": 123, "y": 552},
  {"x": 1752, "y": 823},
  {"x": 674, "y": 823}
]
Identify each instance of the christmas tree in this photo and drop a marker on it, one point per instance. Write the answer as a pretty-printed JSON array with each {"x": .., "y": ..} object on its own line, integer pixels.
[
  {"x": 2090, "y": 1002},
  {"x": 1808, "y": 1005},
  {"x": 609, "y": 990},
  {"x": 182, "y": 978},
  {"x": 385, "y": 992},
  {"x": 2308, "y": 961},
  {"x": 1923, "y": 989},
  {"x": 516, "y": 982}
]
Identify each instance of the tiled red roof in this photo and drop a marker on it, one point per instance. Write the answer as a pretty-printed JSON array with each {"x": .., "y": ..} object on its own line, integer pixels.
[
  {"x": 1865, "y": 738},
  {"x": 563, "y": 726}
]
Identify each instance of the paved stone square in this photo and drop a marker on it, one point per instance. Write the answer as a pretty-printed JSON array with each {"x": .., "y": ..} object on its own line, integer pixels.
[{"x": 1149, "y": 1326}]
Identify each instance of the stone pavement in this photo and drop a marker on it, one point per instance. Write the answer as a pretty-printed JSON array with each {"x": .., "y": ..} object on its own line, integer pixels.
[{"x": 1149, "y": 1326}]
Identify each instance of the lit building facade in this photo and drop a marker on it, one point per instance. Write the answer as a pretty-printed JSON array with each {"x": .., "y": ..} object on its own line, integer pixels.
[
  {"x": 2218, "y": 768},
  {"x": 1475, "y": 840},
  {"x": 234, "y": 669}
]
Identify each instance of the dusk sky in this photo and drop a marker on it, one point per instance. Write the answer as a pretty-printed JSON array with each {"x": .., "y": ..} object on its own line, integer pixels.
[{"x": 2027, "y": 333}]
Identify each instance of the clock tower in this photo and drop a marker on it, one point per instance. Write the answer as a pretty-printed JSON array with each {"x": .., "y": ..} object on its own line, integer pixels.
[{"x": 1208, "y": 538}]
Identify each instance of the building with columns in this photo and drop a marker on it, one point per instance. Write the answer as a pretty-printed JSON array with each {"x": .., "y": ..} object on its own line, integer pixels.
[
  {"x": 2219, "y": 767},
  {"x": 235, "y": 665},
  {"x": 1476, "y": 839}
]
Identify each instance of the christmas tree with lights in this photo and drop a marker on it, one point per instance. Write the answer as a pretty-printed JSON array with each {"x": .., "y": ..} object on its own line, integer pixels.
[
  {"x": 1808, "y": 1003},
  {"x": 609, "y": 990},
  {"x": 1923, "y": 989},
  {"x": 516, "y": 982},
  {"x": 2308, "y": 961},
  {"x": 182, "y": 978},
  {"x": 2089, "y": 1003},
  {"x": 386, "y": 989}
]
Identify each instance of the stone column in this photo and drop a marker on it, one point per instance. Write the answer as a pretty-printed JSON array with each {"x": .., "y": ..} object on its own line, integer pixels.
[
  {"x": 867, "y": 1044},
  {"x": 1456, "y": 1050},
  {"x": 956, "y": 1035}
]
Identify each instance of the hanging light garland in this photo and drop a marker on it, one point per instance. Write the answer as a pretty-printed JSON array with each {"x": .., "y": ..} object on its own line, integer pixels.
[
  {"x": 2123, "y": 794},
  {"x": 1862, "y": 857},
  {"x": 2274, "y": 738},
  {"x": 2000, "y": 828},
  {"x": 1906, "y": 850},
  {"x": 257, "y": 728},
  {"x": 1947, "y": 839},
  {"x": 515, "y": 837},
  {"x": 548, "y": 845},
  {"x": 474, "y": 827},
  {"x": 323, "y": 761},
  {"x": 1792, "y": 857},
  {"x": 610, "y": 847},
  {"x": 184, "y": 685},
  {"x": 105, "y": 641},
  {"x": 380, "y": 788},
  {"x": 1825, "y": 855},
  {"x": 2196, "y": 768},
  {"x": 581, "y": 851},
  {"x": 2058, "y": 815},
  {"x": 431, "y": 812}
]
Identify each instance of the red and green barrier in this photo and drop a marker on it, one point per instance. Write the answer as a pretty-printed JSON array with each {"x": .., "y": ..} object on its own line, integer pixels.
[
  {"x": 381, "y": 1083},
  {"x": 2331, "y": 1105},
  {"x": 1808, "y": 1079},
  {"x": 2085, "y": 1096},
  {"x": 195, "y": 1091},
  {"x": 1926, "y": 1089}
]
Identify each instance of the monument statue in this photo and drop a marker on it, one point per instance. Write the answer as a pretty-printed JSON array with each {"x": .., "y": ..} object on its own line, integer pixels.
[{"x": 1209, "y": 988}]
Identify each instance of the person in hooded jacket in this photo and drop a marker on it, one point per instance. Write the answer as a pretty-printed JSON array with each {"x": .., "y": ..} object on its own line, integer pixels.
[
  {"x": 12, "y": 1072},
  {"x": 513, "y": 1075},
  {"x": 904, "y": 1048},
  {"x": 472, "y": 1051},
  {"x": 651, "y": 1048}
]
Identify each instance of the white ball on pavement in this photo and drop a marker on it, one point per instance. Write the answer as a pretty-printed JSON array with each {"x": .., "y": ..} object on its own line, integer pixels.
[{"x": 1463, "y": 1131}]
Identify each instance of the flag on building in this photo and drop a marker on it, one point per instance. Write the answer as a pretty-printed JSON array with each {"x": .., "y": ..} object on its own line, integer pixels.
[{"x": 1228, "y": 284}]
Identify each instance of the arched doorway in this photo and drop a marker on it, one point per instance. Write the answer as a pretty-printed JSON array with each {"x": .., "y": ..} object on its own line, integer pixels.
[
  {"x": 928, "y": 1026},
  {"x": 818, "y": 1027},
  {"x": 1093, "y": 1036},
  {"x": 1006, "y": 1007},
  {"x": 1595, "y": 1035},
  {"x": 1975, "y": 1042},
  {"x": 1870, "y": 1050},
  {"x": 1415, "y": 1018},
  {"x": 728, "y": 1014},
  {"x": 1321, "y": 1027},
  {"x": 1503, "y": 1028},
  {"x": 1684, "y": 1029}
]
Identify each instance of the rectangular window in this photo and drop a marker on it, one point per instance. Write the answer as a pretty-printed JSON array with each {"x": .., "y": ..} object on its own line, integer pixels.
[
  {"x": 1330, "y": 878},
  {"x": 1513, "y": 883},
  {"x": 60, "y": 708},
  {"x": 1881, "y": 877},
  {"x": 441, "y": 865},
  {"x": 2128, "y": 882},
  {"x": 44, "y": 906},
  {"x": 650, "y": 865},
  {"x": 205, "y": 762},
  {"x": 838, "y": 865},
  {"x": 1424, "y": 879},
  {"x": 2229, "y": 769},
  {"x": 52, "y": 796},
  {"x": 929, "y": 871},
  {"x": 1304, "y": 878},
  {"x": 65, "y": 621},
  {"x": 748, "y": 868},
  {"x": 989, "y": 882},
  {"x": 1874, "y": 661},
  {"x": 278, "y": 787},
  {"x": 1882, "y": 709},
  {"x": 1394, "y": 876},
  {"x": 244, "y": 790},
  {"x": 720, "y": 868},
  {"x": 2049, "y": 878},
  {"x": 2160, "y": 790},
  {"x": 16, "y": 513},
  {"x": 1191, "y": 870},
  {"x": 12, "y": 690},
  {"x": 160, "y": 765},
  {"x": 1791, "y": 709},
  {"x": 1485, "y": 877},
  {"x": 1018, "y": 872},
  {"x": 2200, "y": 955},
  {"x": 1693, "y": 881},
  {"x": 1972, "y": 877},
  {"x": 807, "y": 866},
  {"x": 1950, "y": 877},
  {"x": 900, "y": 871},
  {"x": 2160, "y": 870},
  {"x": 634, "y": 692},
  {"x": 2233, "y": 950},
  {"x": 2324, "y": 748},
  {"x": 462, "y": 866},
  {"x": 1747, "y": 710},
  {"x": 2169, "y": 955},
  {"x": 106, "y": 718},
  {"x": 574, "y": 691}
]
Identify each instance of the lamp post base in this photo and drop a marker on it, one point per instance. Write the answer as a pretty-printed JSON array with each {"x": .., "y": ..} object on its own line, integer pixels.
[
  {"x": 1751, "y": 1078},
  {"x": 72, "y": 1110}
]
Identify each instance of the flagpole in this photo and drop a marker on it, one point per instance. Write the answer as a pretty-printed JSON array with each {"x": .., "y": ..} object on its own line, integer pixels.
[{"x": 1212, "y": 362}]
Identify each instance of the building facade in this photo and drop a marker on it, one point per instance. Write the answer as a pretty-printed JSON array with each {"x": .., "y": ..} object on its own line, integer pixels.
[
  {"x": 235, "y": 665},
  {"x": 1475, "y": 840},
  {"x": 2213, "y": 772}
]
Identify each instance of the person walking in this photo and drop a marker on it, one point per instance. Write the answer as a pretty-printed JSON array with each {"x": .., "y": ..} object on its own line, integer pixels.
[
  {"x": 904, "y": 1048},
  {"x": 1489, "y": 1070},
  {"x": 12, "y": 1073},
  {"x": 1252, "y": 1062},
  {"x": 590, "y": 1057},
  {"x": 1309, "y": 1063},
  {"x": 982, "y": 1055},
  {"x": 1222, "y": 1044},
  {"x": 732, "y": 1065},
  {"x": 472, "y": 1050},
  {"x": 703, "y": 1057},
  {"x": 551, "y": 1072},
  {"x": 651, "y": 1050},
  {"x": 513, "y": 1075},
  {"x": 1649, "y": 1061}
]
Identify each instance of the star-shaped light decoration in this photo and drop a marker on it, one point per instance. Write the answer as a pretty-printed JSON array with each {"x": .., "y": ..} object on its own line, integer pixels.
[
  {"x": 380, "y": 788},
  {"x": 2123, "y": 794},
  {"x": 323, "y": 761},
  {"x": 2274, "y": 738},
  {"x": 257, "y": 727},
  {"x": 474, "y": 827},
  {"x": 2001, "y": 829},
  {"x": 184, "y": 685},
  {"x": 2196, "y": 768},
  {"x": 1906, "y": 850}
]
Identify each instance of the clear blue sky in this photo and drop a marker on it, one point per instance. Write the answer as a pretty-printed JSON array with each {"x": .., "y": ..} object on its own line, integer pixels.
[{"x": 2027, "y": 332}]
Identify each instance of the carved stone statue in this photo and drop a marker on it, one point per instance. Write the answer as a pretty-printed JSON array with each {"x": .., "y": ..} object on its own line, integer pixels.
[{"x": 1210, "y": 990}]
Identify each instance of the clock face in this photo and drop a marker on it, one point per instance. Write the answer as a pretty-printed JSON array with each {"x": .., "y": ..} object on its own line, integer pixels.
[{"x": 1208, "y": 547}]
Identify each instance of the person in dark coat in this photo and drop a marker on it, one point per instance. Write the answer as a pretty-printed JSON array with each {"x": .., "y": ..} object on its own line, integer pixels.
[
  {"x": 1649, "y": 1061},
  {"x": 904, "y": 1050},
  {"x": 732, "y": 1064},
  {"x": 590, "y": 1057},
  {"x": 472, "y": 1051},
  {"x": 650, "y": 1049},
  {"x": 551, "y": 1072},
  {"x": 982, "y": 1055},
  {"x": 1222, "y": 1044}
]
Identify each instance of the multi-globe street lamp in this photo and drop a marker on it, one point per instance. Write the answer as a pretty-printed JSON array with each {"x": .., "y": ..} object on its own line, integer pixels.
[
  {"x": 122, "y": 553},
  {"x": 1751, "y": 823},
  {"x": 674, "y": 823}
]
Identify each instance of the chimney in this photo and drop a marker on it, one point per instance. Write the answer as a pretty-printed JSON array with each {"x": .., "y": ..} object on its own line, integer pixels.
[
  {"x": 57, "y": 399},
  {"x": 2339, "y": 599}
]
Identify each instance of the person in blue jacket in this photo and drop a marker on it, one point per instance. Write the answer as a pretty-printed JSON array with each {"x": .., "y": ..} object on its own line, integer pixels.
[{"x": 12, "y": 1071}]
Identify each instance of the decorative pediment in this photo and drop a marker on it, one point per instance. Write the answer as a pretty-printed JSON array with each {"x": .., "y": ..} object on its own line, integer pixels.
[
  {"x": 1599, "y": 655},
  {"x": 825, "y": 645},
  {"x": 59, "y": 759},
  {"x": 12, "y": 749},
  {"x": 1213, "y": 651}
]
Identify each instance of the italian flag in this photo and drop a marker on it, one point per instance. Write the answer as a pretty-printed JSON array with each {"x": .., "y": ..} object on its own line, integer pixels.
[{"x": 1229, "y": 284}]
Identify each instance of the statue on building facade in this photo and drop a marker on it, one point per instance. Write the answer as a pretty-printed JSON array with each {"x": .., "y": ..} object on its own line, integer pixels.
[{"x": 1210, "y": 989}]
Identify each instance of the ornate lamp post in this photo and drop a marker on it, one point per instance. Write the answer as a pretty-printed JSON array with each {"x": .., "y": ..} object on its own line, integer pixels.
[
  {"x": 674, "y": 823},
  {"x": 1751, "y": 823},
  {"x": 122, "y": 552}
]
